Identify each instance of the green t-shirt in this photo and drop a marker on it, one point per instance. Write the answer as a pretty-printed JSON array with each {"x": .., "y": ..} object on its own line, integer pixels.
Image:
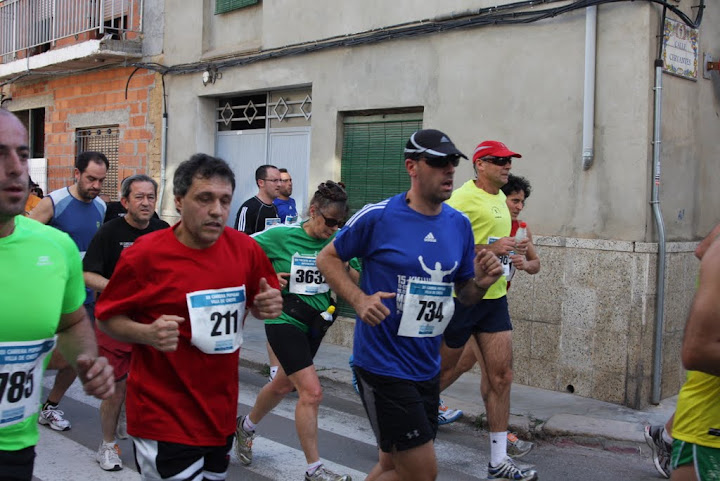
[
  {"x": 41, "y": 278},
  {"x": 489, "y": 217},
  {"x": 283, "y": 242}
]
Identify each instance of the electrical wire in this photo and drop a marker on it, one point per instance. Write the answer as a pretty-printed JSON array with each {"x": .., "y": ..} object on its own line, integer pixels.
[{"x": 507, "y": 14}]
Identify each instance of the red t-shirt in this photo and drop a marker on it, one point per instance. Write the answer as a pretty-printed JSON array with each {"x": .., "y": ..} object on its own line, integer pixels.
[{"x": 186, "y": 396}]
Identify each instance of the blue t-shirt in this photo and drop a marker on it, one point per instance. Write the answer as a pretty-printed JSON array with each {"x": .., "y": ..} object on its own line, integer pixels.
[
  {"x": 80, "y": 220},
  {"x": 397, "y": 244},
  {"x": 287, "y": 210}
]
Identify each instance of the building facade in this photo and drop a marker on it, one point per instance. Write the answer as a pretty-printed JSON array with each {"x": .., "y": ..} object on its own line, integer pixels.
[{"x": 65, "y": 72}]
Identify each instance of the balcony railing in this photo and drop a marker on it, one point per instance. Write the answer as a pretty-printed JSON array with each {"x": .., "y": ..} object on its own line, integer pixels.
[{"x": 28, "y": 27}]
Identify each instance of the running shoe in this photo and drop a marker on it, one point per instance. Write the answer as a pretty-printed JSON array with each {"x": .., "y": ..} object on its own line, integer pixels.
[
  {"x": 324, "y": 474},
  {"x": 660, "y": 449},
  {"x": 53, "y": 418},
  {"x": 447, "y": 415},
  {"x": 354, "y": 377},
  {"x": 121, "y": 429},
  {"x": 517, "y": 448},
  {"x": 509, "y": 471},
  {"x": 108, "y": 456},
  {"x": 243, "y": 443}
]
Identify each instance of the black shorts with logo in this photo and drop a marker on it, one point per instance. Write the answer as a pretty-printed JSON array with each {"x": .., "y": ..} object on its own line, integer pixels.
[
  {"x": 402, "y": 413},
  {"x": 294, "y": 349},
  {"x": 488, "y": 315}
]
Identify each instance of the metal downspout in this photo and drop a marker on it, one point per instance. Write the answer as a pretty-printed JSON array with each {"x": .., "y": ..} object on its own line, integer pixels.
[
  {"x": 588, "y": 152},
  {"x": 660, "y": 227},
  {"x": 163, "y": 158}
]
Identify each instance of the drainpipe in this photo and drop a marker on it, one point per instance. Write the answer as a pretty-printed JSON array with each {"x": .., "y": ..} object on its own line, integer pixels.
[
  {"x": 163, "y": 146},
  {"x": 588, "y": 152},
  {"x": 660, "y": 227}
]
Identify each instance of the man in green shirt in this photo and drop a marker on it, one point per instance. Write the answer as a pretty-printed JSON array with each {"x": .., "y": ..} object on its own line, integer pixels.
[{"x": 35, "y": 259}]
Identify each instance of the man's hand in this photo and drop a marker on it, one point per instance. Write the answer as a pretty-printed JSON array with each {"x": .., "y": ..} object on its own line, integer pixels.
[
  {"x": 371, "y": 310},
  {"x": 522, "y": 247},
  {"x": 96, "y": 376},
  {"x": 488, "y": 268},
  {"x": 502, "y": 247},
  {"x": 283, "y": 279},
  {"x": 164, "y": 333},
  {"x": 520, "y": 262},
  {"x": 268, "y": 301}
]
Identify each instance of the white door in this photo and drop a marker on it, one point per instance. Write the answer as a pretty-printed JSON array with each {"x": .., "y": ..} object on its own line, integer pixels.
[
  {"x": 290, "y": 148},
  {"x": 244, "y": 150}
]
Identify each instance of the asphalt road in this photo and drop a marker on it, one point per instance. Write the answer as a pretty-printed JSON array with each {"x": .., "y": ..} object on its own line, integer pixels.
[{"x": 346, "y": 445}]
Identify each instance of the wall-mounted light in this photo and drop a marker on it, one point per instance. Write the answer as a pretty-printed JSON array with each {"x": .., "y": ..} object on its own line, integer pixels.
[{"x": 210, "y": 75}]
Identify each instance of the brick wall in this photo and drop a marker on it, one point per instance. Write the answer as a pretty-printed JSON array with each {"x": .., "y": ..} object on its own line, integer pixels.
[{"x": 98, "y": 99}]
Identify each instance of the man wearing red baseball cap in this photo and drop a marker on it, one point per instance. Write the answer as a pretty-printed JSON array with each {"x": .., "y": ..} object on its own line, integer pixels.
[{"x": 489, "y": 321}]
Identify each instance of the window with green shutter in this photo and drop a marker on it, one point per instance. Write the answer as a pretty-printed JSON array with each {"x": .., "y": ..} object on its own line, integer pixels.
[
  {"x": 373, "y": 162},
  {"x": 224, "y": 6}
]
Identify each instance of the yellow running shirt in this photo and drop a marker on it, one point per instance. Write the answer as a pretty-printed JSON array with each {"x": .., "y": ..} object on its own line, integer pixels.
[
  {"x": 697, "y": 417},
  {"x": 489, "y": 217}
]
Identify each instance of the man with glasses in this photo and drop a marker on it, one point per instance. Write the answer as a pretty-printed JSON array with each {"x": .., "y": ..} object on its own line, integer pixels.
[
  {"x": 483, "y": 201},
  {"x": 287, "y": 210},
  {"x": 415, "y": 250},
  {"x": 259, "y": 212}
]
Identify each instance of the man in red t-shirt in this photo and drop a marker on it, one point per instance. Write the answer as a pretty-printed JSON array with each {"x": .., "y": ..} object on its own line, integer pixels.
[{"x": 180, "y": 296}]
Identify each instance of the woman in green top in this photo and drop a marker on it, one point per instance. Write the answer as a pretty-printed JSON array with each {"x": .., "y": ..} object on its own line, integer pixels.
[{"x": 296, "y": 335}]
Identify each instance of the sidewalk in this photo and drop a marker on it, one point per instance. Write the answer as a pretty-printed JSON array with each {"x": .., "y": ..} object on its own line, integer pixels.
[{"x": 534, "y": 412}]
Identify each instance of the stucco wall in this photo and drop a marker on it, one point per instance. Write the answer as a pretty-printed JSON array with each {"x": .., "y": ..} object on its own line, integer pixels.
[{"x": 589, "y": 316}]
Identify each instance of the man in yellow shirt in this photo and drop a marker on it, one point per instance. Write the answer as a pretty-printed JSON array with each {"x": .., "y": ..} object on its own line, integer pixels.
[
  {"x": 483, "y": 202},
  {"x": 696, "y": 429}
]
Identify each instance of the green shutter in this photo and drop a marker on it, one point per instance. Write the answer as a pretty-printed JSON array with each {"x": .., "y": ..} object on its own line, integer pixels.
[
  {"x": 224, "y": 6},
  {"x": 373, "y": 163}
]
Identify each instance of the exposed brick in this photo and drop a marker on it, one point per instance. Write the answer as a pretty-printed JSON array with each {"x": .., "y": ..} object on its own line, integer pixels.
[{"x": 138, "y": 121}]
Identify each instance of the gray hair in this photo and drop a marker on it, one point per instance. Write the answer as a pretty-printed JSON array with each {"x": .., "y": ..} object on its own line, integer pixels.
[{"x": 129, "y": 181}]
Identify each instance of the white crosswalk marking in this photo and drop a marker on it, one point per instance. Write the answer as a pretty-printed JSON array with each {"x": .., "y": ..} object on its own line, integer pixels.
[
  {"x": 278, "y": 461},
  {"x": 61, "y": 458}
]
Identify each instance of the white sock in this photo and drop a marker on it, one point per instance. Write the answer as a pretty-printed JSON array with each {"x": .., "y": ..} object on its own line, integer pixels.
[
  {"x": 666, "y": 437},
  {"x": 111, "y": 443},
  {"x": 248, "y": 426},
  {"x": 498, "y": 447},
  {"x": 273, "y": 371},
  {"x": 312, "y": 467}
]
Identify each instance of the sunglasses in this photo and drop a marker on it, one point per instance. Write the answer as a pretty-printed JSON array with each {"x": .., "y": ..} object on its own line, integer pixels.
[
  {"x": 330, "y": 222},
  {"x": 501, "y": 161},
  {"x": 442, "y": 162}
]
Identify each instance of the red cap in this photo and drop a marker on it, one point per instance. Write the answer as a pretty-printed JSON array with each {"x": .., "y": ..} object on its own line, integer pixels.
[
  {"x": 493, "y": 148},
  {"x": 523, "y": 225}
]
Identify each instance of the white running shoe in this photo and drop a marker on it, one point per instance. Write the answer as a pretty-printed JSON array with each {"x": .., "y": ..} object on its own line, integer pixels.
[
  {"x": 53, "y": 418},
  {"x": 517, "y": 448},
  {"x": 108, "y": 456},
  {"x": 447, "y": 415}
]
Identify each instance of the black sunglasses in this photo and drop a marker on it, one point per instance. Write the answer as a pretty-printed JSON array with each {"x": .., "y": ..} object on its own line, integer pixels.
[
  {"x": 501, "y": 161},
  {"x": 442, "y": 162},
  {"x": 330, "y": 222}
]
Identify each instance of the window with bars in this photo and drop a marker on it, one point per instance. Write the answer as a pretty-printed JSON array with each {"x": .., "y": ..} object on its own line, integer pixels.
[
  {"x": 224, "y": 6},
  {"x": 105, "y": 139},
  {"x": 373, "y": 166}
]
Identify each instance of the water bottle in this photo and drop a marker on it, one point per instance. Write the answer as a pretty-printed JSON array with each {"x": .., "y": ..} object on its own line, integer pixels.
[
  {"x": 521, "y": 233},
  {"x": 328, "y": 315}
]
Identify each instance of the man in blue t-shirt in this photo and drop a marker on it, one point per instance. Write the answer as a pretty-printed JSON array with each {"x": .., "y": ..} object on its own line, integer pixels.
[
  {"x": 415, "y": 250},
  {"x": 286, "y": 208},
  {"x": 78, "y": 211}
]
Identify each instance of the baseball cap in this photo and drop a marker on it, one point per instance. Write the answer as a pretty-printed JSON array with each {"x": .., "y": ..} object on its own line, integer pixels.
[
  {"x": 431, "y": 143},
  {"x": 493, "y": 148}
]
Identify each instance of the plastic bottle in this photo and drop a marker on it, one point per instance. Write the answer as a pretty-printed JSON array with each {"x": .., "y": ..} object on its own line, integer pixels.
[
  {"x": 328, "y": 315},
  {"x": 521, "y": 233}
]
